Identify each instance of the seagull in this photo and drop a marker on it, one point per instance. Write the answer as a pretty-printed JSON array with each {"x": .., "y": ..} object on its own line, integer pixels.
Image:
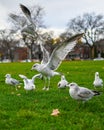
[
  {"x": 98, "y": 82},
  {"x": 11, "y": 81},
  {"x": 81, "y": 93},
  {"x": 48, "y": 64},
  {"x": 63, "y": 82},
  {"x": 29, "y": 83}
]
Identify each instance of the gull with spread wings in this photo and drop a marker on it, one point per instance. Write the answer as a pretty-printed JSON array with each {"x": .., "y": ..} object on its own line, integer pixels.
[
  {"x": 29, "y": 83},
  {"x": 50, "y": 64}
]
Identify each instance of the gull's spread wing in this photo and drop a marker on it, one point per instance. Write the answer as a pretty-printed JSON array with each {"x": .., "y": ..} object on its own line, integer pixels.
[
  {"x": 18, "y": 19},
  {"x": 22, "y": 76},
  {"x": 61, "y": 51},
  {"x": 36, "y": 76},
  {"x": 26, "y": 11},
  {"x": 45, "y": 55},
  {"x": 28, "y": 29}
]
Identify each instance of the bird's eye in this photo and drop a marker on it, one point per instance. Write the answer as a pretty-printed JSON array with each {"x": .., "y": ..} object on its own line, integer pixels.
[
  {"x": 34, "y": 66},
  {"x": 71, "y": 84}
]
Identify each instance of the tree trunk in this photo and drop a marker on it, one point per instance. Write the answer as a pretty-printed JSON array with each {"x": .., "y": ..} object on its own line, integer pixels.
[
  {"x": 92, "y": 52},
  {"x": 29, "y": 53}
]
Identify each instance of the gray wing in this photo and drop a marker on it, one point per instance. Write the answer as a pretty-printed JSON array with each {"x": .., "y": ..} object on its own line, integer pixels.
[
  {"x": 28, "y": 29},
  {"x": 23, "y": 77},
  {"x": 14, "y": 81},
  {"x": 85, "y": 93},
  {"x": 61, "y": 51},
  {"x": 18, "y": 19},
  {"x": 45, "y": 55},
  {"x": 36, "y": 76},
  {"x": 27, "y": 13}
]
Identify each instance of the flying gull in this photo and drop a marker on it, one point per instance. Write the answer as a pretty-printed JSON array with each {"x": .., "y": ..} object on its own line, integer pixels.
[
  {"x": 81, "y": 93},
  {"x": 98, "y": 82}
]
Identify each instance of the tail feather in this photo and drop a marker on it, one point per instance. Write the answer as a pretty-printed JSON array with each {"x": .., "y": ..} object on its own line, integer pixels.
[{"x": 96, "y": 92}]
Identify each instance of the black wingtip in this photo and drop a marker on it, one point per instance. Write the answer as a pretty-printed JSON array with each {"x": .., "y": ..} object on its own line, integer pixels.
[
  {"x": 97, "y": 92},
  {"x": 25, "y": 10}
]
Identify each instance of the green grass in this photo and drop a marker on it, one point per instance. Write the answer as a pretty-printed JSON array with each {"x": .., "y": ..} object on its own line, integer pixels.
[{"x": 32, "y": 110}]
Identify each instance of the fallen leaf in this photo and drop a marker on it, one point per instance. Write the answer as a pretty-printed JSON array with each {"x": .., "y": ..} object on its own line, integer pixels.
[{"x": 55, "y": 112}]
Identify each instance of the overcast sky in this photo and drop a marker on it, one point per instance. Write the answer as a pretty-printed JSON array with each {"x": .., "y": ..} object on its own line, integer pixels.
[{"x": 57, "y": 12}]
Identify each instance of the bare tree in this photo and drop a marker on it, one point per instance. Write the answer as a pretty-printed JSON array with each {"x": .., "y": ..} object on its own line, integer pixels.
[
  {"x": 8, "y": 43},
  {"x": 92, "y": 25}
]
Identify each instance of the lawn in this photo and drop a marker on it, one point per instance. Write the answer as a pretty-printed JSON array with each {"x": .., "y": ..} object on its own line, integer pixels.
[{"x": 32, "y": 111}]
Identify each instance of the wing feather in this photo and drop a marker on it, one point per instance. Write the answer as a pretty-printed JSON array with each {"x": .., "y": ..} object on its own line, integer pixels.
[
  {"x": 85, "y": 94},
  {"x": 22, "y": 76},
  {"x": 14, "y": 81},
  {"x": 27, "y": 13},
  {"x": 45, "y": 55},
  {"x": 61, "y": 51},
  {"x": 18, "y": 19}
]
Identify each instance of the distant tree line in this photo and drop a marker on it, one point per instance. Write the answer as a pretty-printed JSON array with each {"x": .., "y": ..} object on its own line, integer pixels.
[
  {"x": 93, "y": 27},
  {"x": 21, "y": 29}
]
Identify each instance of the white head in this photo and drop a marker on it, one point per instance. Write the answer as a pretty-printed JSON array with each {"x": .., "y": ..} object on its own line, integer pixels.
[
  {"x": 8, "y": 75},
  {"x": 35, "y": 66},
  {"x": 62, "y": 77},
  {"x": 96, "y": 74},
  {"x": 73, "y": 85}
]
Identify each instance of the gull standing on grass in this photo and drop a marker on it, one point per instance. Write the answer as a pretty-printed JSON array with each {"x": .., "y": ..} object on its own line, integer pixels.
[
  {"x": 81, "y": 93},
  {"x": 50, "y": 64},
  {"x": 63, "y": 82},
  {"x": 29, "y": 83},
  {"x": 11, "y": 81},
  {"x": 98, "y": 82}
]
